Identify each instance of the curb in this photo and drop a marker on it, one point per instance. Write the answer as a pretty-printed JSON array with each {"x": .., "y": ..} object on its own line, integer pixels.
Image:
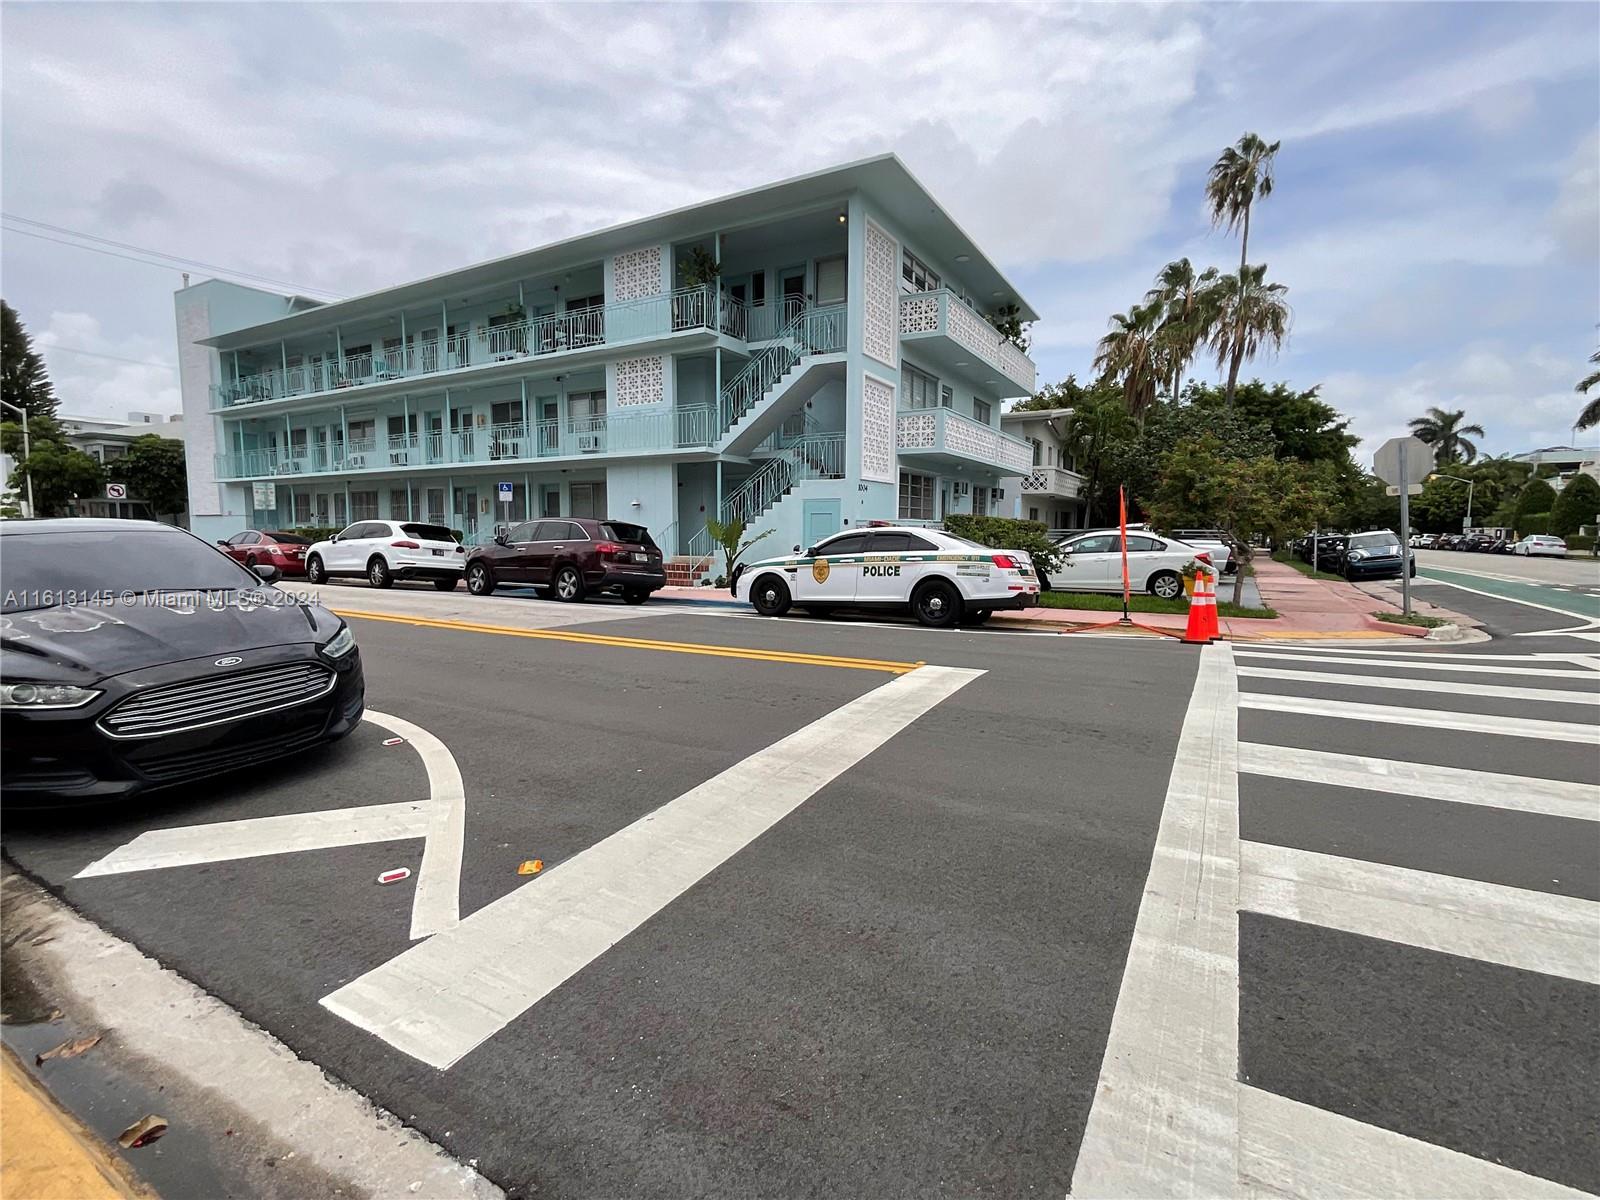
[{"x": 50, "y": 1153}]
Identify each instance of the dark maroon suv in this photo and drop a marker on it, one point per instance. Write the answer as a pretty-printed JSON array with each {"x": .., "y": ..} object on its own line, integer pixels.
[{"x": 570, "y": 558}]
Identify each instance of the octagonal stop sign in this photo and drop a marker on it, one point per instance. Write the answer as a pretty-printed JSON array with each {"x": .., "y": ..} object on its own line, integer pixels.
[{"x": 1418, "y": 461}]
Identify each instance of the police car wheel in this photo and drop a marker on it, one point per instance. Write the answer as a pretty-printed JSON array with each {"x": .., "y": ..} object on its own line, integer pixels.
[
  {"x": 976, "y": 616},
  {"x": 1166, "y": 585},
  {"x": 770, "y": 595},
  {"x": 936, "y": 604}
]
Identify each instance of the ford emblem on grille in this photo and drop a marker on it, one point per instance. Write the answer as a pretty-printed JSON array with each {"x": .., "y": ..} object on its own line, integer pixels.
[{"x": 227, "y": 662}]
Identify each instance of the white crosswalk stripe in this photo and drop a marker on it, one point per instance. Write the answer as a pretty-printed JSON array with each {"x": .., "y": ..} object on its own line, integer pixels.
[
  {"x": 1453, "y": 687},
  {"x": 1436, "y": 663},
  {"x": 1395, "y": 714}
]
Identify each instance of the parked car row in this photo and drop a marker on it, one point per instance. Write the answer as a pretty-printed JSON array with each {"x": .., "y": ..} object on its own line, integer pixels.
[
  {"x": 1373, "y": 554},
  {"x": 1534, "y": 545},
  {"x": 569, "y": 558}
]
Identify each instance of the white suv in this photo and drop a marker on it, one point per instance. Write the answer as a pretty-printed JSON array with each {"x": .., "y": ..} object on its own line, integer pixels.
[{"x": 384, "y": 551}]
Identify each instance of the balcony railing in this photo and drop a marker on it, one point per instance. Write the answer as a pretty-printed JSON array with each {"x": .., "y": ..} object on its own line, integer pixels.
[
  {"x": 578, "y": 329},
  {"x": 520, "y": 441},
  {"x": 945, "y": 431},
  {"x": 1052, "y": 481},
  {"x": 943, "y": 313}
]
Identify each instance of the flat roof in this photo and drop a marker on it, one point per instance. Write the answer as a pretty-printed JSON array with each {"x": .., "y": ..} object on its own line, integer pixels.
[{"x": 884, "y": 177}]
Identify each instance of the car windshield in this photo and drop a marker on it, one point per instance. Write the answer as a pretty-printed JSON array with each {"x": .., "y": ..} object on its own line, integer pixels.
[
  {"x": 42, "y": 570},
  {"x": 1372, "y": 541},
  {"x": 617, "y": 531},
  {"x": 428, "y": 533}
]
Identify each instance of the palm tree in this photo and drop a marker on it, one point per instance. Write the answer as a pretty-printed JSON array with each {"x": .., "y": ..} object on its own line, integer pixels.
[
  {"x": 1252, "y": 316},
  {"x": 1133, "y": 355},
  {"x": 1444, "y": 431},
  {"x": 1188, "y": 305},
  {"x": 1590, "y": 416},
  {"x": 1241, "y": 175}
]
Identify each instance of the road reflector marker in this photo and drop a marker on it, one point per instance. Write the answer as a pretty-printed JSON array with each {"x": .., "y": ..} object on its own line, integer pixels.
[
  {"x": 532, "y": 867},
  {"x": 394, "y": 741},
  {"x": 395, "y": 876}
]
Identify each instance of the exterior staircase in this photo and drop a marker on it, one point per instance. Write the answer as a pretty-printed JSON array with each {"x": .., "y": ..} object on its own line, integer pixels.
[{"x": 781, "y": 376}]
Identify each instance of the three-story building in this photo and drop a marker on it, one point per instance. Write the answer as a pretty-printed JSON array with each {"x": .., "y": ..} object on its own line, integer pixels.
[{"x": 835, "y": 367}]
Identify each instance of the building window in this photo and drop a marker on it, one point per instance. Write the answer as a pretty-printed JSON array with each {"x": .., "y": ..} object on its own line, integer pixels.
[
  {"x": 981, "y": 410},
  {"x": 362, "y": 432},
  {"x": 1038, "y": 451},
  {"x": 399, "y": 504},
  {"x": 917, "y": 388},
  {"x": 916, "y": 274},
  {"x": 302, "y": 508},
  {"x": 1033, "y": 514},
  {"x": 363, "y": 506},
  {"x": 980, "y": 501},
  {"x": 916, "y": 496}
]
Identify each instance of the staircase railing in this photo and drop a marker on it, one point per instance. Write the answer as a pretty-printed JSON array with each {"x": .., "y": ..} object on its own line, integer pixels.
[
  {"x": 760, "y": 492},
  {"x": 812, "y": 331}
]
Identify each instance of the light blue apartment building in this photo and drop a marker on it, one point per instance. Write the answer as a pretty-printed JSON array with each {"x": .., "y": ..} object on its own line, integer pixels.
[{"x": 839, "y": 369}]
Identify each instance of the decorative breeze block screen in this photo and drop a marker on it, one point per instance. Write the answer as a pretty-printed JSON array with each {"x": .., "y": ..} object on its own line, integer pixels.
[
  {"x": 879, "y": 338},
  {"x": 877, "y": 430},
  {"x": 640, "y": 381},
  {"x": 636, "y": 274}
]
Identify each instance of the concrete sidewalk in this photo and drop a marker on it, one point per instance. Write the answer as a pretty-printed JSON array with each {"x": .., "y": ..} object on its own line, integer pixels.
[{"x": 1324, "y": 606}]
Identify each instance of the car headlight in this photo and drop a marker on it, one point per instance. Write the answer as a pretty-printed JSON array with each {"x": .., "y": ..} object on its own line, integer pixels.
[
  {"x": 44, "y": 695},
  {"x": 340, "y": 643}
]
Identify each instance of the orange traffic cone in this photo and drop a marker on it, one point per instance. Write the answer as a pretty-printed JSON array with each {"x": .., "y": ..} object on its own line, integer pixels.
[
  {"x": 1211, "y": 607},
  {"x": 1198, "y": 632}
]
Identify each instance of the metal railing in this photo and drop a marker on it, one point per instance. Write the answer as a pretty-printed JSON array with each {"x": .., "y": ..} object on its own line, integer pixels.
[
  {"x": 811, "y": 331},
  {"x": 760, "y": 492},
  {"x": 576, "y": 329},
  {"x": 690, "y": 427}
]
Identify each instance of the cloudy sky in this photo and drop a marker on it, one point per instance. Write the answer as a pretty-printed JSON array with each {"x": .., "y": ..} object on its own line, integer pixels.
[{"x": 1435, "y": 217}]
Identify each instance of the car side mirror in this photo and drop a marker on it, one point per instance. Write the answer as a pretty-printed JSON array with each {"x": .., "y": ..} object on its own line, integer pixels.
[
  {"x": 502, "y": 537},
  {"x": 812, "y": 552},
  {"x": 267, "y": 572},
  {"x": 797, "y": 547},
  {"x": 334, "y": 538},
  {"x": 223, "y": 542}
]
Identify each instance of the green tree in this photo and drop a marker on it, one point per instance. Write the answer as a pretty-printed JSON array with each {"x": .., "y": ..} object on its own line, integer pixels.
[
  {"x": 154, "y": 470},
  {"x": 1536, "y": 498},
  {"x": 1241, "y": 175},
  {"x": 1253, "y": 318},
  {"x": 1138, "y": 461},
  {"x": 1008, "y": 322},
  {"x": 1188, "y": 303},
  {"x": 1094, "y": 433},
  {"x": 60, "y": 474},
  {"x": 1303, "y": 425},
  {"x": 23, "y": 381},
  {"x": 1442, "y": 429},
  {"x": 1577, "y": 504},
  {"x": 1249, "y": 497},
  {"x": 729, "y": 535},
  {"x": 1066, "y": 394},
  {"x": 1133, "y": 356},
  {"x": 1590, "y": 416}
]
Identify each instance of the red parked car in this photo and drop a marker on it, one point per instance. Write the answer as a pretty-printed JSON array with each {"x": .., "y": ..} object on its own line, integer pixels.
[
  {"x": 570, "y": 558},
  {"x": 286, "y": 551}
]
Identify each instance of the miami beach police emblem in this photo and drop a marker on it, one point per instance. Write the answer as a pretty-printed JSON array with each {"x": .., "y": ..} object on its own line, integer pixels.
[{"x": 819, "y": 570}]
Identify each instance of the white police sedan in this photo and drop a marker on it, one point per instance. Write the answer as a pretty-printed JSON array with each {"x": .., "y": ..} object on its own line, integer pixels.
[{"x": 943, "y": 579}]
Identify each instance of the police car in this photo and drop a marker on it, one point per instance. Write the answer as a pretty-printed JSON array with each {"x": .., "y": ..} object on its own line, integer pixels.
[{"x": 943, "y": 579}]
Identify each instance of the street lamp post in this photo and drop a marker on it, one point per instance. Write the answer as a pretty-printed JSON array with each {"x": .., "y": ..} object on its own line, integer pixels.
[
  {"x": 26, "y": 450},
  {"x": 1470, "y": 485}
]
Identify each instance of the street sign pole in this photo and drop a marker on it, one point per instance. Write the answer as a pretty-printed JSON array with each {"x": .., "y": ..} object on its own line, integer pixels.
[{"x": 1405, "y": 537}]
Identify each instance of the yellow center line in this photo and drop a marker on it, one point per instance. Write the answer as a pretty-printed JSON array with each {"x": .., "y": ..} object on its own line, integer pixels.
[{"x": 627, "y": 643}]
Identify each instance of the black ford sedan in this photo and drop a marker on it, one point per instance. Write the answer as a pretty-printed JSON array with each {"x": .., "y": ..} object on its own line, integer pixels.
[{"x": 134, "y": 656}]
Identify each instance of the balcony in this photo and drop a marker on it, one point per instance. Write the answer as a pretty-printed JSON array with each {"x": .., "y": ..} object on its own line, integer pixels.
[
  {"x": 1053, "y": 481},
  {"x": 952, "y": 336},
  {"x": 520, "y": 442},
  {"x": 586, "y": 329},
  {"x": 944, "y": 438}
]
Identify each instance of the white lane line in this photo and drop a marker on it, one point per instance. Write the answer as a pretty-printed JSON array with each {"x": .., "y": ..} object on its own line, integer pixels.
[
  {"x": 261, "y": 836},
  {"x": 1564, "y": 612},
  {"x": 1396, "y": 714},
  {"x": 441, "y": 820},
  {"x": 1287, "y": 1148},
  {"x": 1392, "y": 683},
  {"x": 443, "y": 997},
  {"x": 1535, "y": 931},
  {"x": 437, "y": 903},
  {"x": 1440, "y": 655},
  {"x": 1438, "y": 664},
  {"x": 1517, "y": 793},
  {"x": 1164, "y": 1117}
]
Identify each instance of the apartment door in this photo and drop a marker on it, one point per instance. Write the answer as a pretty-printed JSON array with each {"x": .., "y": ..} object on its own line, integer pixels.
[
  {"x": 792, "y": 292},
  {"x": 549, "y": 441},
  {"x": 589, "y": 500},
  {"x": 434, "y": 501},
  {"x": 819, "y": 519},
  {"x": 550, "y": 500},
  {"x": 466, "y": 511}
]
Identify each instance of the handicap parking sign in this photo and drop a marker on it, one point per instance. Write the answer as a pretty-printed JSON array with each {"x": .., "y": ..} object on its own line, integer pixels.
[{"x": 505, "y": 493}]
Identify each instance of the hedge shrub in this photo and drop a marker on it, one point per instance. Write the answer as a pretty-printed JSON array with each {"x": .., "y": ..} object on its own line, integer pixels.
[
  {"x": 1008, "y": 533},
  {"x": 315, "y": 533},
  {"x": 1533, "y": 523},
  {"x": 1575, "y": 506}
]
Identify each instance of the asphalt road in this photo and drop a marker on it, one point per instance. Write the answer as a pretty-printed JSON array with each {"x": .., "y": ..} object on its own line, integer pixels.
[{"x": 906, "y": 972}]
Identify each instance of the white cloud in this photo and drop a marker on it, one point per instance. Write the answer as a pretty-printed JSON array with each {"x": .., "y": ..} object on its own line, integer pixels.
[
  {"x": 89, "y": 373},
  {"x": 1576, "y": 216}
]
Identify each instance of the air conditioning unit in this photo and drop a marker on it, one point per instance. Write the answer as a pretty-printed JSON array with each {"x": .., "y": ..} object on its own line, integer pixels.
[{"x": 588, "y": 443}]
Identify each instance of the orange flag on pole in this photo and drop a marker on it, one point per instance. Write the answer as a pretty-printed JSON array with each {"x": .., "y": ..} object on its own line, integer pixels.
[{"x": 1122, "y": 525}]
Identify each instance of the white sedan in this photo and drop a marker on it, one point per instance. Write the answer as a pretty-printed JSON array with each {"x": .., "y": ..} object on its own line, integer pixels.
[
  {"x": 1537, "y": 544},
  {"x": 383, "y": 551},
  {"x": 1092, "y": 562},
  {"x": 943, "y": 579}
]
